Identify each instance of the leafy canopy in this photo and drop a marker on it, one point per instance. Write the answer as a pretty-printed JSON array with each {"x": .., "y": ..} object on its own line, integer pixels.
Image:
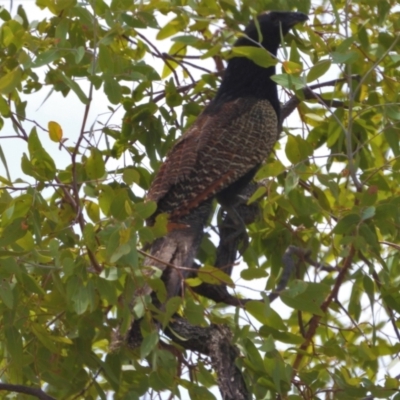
[{"x": 70, "y": 235}]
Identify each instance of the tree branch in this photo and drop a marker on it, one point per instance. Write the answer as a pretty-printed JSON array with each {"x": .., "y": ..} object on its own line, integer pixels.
[
  {"x": 26, "y": 390},
  {"x": 309, "y": 94},
  {"x": 215, "y": 342},
  {"x": 314, "y": 322}
]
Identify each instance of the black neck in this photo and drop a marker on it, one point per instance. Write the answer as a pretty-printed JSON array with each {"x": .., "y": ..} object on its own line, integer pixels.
[{"x": 243, "y": 78}]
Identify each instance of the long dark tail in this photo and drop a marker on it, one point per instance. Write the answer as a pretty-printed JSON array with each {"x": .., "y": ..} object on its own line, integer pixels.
[
  {"x": 179, "y": 248},
  {"x": 169, "y": 253}
]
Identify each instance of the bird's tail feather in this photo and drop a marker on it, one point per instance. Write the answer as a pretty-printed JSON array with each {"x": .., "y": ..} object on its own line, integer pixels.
[{"x": 175, "y": 252}]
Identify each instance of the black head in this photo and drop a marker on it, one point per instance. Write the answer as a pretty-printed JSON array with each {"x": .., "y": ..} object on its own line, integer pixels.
[
  {"x": 272, "y": 26},
  {"x": 243, "y": 77}
]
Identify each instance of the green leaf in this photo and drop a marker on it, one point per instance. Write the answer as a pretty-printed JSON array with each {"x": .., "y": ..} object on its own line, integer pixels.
[
  {"x": 29, "y": 284},
  {"x": 369, "y": 288},
  {"x": 258, "y": 55},
  {"x": 253, "y": 273},
  {"x": 121, "y": 205},
  {"x": 113, "y": 90},
  {"x": 265, "y": 314},
  {"x": 121, "y": 250},
  {"x": 105, "y": 58},
  {"x": 14, "y": 344},
  {"x": 260, "y": 192},
  {"x": 44, "y": 337},
  {"x": 46, "y": 58},
  {"x": 270, "y": 169},
  {"x": 172, "y": 97},
  {"x": 321, "y": 198},
  {"x": 149, "y": 343},
  {"x": 64, "y": 5},
  {"x": 297, "y": 149},
  {"x": 306, "y": 296},
  {"x": 130, "y": 176},
  {"x": 78, "y": 294},
  {"x": 107, "y": 291},
  {"x": 41, "y": 166},
  {"x": 391, "y": 297},
  {"x": 392, "y": 137},
  {"x": 62, "y": 32},
  {"x": 145, "y": 209},
  {"x": 195, "y": 313},
  {"x": 4, "y": 108},
  {"x": 253, "y": 355},
  {"x": 276, "y": 369},
  {"x": 346, "y": 224},
  {"x": 172, "y": 27},
  {"x": 92, "y": 210},
  {"x": 284, "y": 337},
  {"x": 289, "y": 81},
  {"x": 370, "y": 236},
  {"x": 354, "y": 302},
  {"x": 9, "y": 81},
  {"x": 5, "y": 15},
  {"x": 112, "y": 240},
  {"x": 171, "y": 308},
  {"x": 186, "y": 39},
  {"x": 74, "y": 86},
  {"x": 6, "y": 293},
  {"x": 367, "y": 213},
  {"x": 214, "y": 276},
  {"x": 205, "y": 376},
  {"x": 106, "y": 197},
  {"x": 94, "y": 165},
  {"x": 200, "y": 393},
  {"x": 80, "y": 53},
  {"x": 317, "y": 70},
  {"x": 12, "y": 232},
  {"x": 348, "y": 57},
  {"x": 392, "y": 112},
  {"x": 291, "y": 181}
]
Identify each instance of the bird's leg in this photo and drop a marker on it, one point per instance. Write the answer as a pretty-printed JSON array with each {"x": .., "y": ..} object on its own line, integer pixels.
[
  {"x": 236, "y": 215},
  {"x": 234, "y": 221}
]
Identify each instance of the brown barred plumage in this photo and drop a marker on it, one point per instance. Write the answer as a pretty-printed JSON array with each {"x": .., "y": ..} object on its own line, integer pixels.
[{"x": 215, "y": 152}]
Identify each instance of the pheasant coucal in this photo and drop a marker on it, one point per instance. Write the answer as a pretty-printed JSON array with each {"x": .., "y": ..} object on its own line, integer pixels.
[{"x": 220, "y": 153}]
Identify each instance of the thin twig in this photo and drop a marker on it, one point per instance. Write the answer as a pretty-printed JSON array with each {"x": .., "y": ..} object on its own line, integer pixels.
[
  {"x": 180, "y": 89},
  {"x": 75, "y": 186},
  {"x": 12, "y": 137},
  {"x": 91, "y": 383},
  {"x": 19, "y": 126},
  {"x": 309, "y": 94},
  {"x": 352, "y": 320},
  {"x": 157, "y": 54},
  {"x": 181, "y": 62}
]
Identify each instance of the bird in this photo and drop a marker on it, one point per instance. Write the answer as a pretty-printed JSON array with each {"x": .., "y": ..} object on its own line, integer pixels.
[{"x": 220, "y": 153}]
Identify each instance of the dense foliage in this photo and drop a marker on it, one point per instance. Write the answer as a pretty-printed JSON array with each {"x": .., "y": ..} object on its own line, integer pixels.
[{"x": 71, "y": 235}]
